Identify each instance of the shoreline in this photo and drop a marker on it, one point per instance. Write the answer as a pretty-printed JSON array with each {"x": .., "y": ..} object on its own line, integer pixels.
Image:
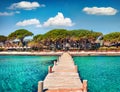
[{"x": 80, "y": 53}]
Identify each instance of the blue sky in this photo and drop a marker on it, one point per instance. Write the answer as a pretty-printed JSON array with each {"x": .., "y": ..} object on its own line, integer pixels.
[{"x": 40, "y": 16}]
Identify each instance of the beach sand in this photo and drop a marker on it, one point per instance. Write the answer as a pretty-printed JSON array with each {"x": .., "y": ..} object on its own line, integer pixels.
[{"x": 52, "y": 53}]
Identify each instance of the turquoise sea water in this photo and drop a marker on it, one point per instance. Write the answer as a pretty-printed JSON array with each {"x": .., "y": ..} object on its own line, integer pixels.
[
  {"x": 102, "y": 72},
  {"x": 22, "y": 73}
]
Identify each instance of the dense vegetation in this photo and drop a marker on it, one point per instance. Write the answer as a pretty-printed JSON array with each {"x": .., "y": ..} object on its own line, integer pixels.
[
  {"x": 112, "y": 37},
  {"x": 19, "y": 34},
  {"x": 3, "y": 38},
  {"x": 57, "y": 34},
  {"x": 61, "y": 38}
]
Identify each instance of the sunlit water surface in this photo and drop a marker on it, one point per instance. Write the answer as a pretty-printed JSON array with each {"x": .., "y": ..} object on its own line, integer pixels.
[
  {"x": 102, "y": 72},
  {"x": 22, "y": 73}
]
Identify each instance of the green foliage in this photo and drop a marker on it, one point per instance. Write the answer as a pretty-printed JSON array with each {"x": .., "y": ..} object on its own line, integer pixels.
[
  {"x": 112, "y": 37},
  {"x": 1, "y": 49},
  {"x": 82, "y": 33},
  {"x": 103, "y": 48},
  {"x": 112, "y": 48},
  {"x": 96, "y": 34},
  {"x": 35, "y": 45},
  {"x": 108, "y": 48},
  {"x": 3, "y": 38},
  {"x": 57, "y": 34},
  {"x": 20, "y": 34},
  {"x": 38, "y": 37}
]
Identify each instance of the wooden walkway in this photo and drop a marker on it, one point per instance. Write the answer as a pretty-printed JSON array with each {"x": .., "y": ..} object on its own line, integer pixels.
[{"x": 63, "y": 77}]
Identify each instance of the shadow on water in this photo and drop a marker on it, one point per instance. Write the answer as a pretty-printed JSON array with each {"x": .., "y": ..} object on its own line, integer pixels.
[{"x": 49, "y": 62}]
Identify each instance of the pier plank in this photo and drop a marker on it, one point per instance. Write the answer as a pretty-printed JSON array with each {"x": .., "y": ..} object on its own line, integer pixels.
[{"x": 64, "y": 76}]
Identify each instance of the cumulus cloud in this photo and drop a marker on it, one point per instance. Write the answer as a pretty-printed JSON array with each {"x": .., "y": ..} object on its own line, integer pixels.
[
  {"x": 58, "y": 20},
  {"x": 25, "y": 5},
  {"x": 8, "y": 13},
  {"x": 100, "y": 10},
  {"x": 29, "y": 22}
]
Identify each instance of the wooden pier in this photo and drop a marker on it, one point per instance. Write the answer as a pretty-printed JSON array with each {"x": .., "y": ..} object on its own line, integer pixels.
[{"x": 63, "y": 77}]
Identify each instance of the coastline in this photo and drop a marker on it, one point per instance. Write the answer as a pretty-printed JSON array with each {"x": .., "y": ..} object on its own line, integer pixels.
[{"x": 75, "y": 53}]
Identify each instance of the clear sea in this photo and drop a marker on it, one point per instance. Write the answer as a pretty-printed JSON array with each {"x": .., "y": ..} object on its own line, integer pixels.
[
  {"x": 102, "y": 72},
  {"x": 22, "y": 73}
]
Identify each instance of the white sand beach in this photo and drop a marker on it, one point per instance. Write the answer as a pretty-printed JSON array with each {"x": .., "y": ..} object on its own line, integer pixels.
[{"x": 75, "y": 53}]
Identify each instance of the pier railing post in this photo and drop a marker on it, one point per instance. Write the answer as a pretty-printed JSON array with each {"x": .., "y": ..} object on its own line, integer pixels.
[
  {"x": 49, "y": 69},
  {"x": 84, "y": 85},
  {"x": 55, "y": 63},
  {"x": 40, "y": 86},
  {"x": 59, "y": 58},
  {"x": 76, "y": 68}
]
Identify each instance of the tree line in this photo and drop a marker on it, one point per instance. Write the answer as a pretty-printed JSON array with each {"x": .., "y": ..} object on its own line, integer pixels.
[{"x": 56, "y": 37}]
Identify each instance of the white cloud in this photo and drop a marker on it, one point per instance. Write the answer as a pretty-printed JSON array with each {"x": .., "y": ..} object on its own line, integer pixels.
[
  {"x": 8, "y": 13},
  {"x": 39, "y": 25},
  {"x": 100, "y": 10},
  {"x": 17, "y": 12},
  {"x": 26, "y": 5},
  {"x": 29, "y": 22},
  {"x": 58, "y": 20}
]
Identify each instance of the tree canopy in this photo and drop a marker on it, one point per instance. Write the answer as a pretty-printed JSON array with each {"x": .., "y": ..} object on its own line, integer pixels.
[
  {"x": 112, "y": 37},
  {"x": 38, "y": 37},
  {"x": 82, "y": 33},
  {"x": 57, "y": 34},
  {"x": 20, "y": 34},
  {"x": 3, "y": 38},
  {"x": 58, "y": 38}
]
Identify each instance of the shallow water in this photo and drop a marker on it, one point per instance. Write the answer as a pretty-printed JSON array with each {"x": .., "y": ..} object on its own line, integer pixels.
[
  {"x": 22, "y": 73},
  {"x": 102, "y": 72}
]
